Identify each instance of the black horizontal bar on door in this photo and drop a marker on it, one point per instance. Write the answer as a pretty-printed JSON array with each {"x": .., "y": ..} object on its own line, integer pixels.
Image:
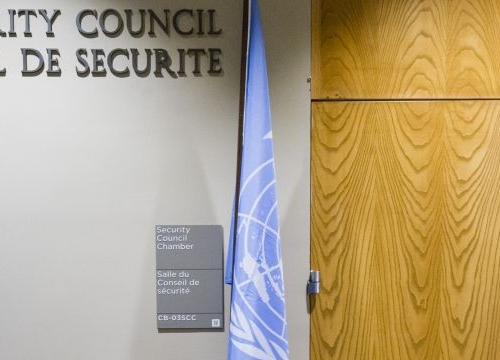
[{"x": 404, "y": 99}]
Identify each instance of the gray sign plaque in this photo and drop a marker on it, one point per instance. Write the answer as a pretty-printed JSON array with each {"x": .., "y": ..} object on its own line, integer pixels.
[{"x": 189, "y": 276}]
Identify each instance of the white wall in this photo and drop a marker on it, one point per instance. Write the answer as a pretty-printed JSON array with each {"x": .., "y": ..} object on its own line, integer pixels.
[
  {"x": 89, "y": 166},
  {"x": 287, "y": 34}
]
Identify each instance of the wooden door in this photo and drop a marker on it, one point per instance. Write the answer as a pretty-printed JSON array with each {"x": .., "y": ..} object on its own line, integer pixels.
[{"x": 405, "y": 173}]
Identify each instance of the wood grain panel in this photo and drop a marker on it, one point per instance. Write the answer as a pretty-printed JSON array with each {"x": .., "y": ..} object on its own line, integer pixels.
[
  {"x": 473, "y": 48},
  {"x": 344, "y": 46},
  {"x": 405, "y": 226},
  {"x": 405, "y": 49},
  {"x": 471, "y": 232}
]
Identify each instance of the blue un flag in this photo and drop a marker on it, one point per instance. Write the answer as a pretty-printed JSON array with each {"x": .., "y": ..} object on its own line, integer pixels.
[{"x": 258, "y": 327}]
